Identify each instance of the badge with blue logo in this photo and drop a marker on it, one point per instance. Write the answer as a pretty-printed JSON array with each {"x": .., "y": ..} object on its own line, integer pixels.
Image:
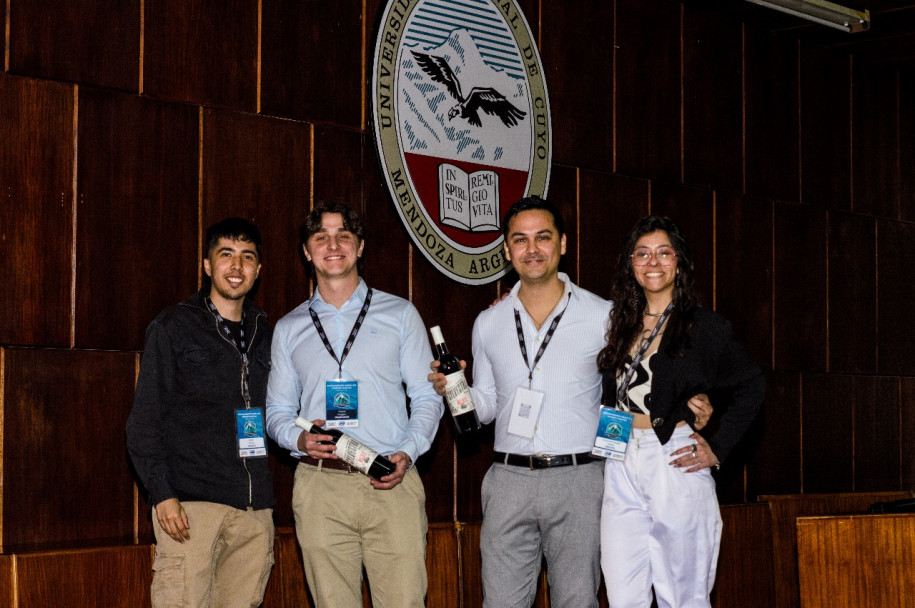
[
  {"x": 612, "y": 434},
  {"x": 249, "y": 429}
]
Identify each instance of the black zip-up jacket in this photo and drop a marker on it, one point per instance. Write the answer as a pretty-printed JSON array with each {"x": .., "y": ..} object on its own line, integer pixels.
[{"x": 181, "y": 432}]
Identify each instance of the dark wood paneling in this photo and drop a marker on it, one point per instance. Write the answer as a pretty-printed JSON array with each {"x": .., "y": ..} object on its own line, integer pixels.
[
  {"x": 712, "y": 93},
  {"x": 825, "y": 128},
  {"x": 907, "y": 432},
  {"x": 647, "y": 49},
  {"x": 259, "y": 168},
  {"x": 743, "y": 271},
  {"x": 7, "y": 587},
  {"x": 36, "y": 213},
  {"x": 875, "y": 169},
  {"x": 579, "y": 78},
  {"x": 775, "y": 466},
  {"x": 201, "y": 52},
  {"x": 443, "y": 566},
  {"x": 286, "y": 587},
  {"x": 693, "y": 209},
  {"x": 785, "y": 510},
  {"x": 471, "y": 565},
  {"x": 895, "y": 294},
  {"x": 137, "y": 233},
  {"x": 745, "y": 558},
  {"x": 877, "y": 436},
  {"x": 340, "y": 161},
  {"x": 906, "y": 135},
  {"x": 799, "y": 299},
  {"x": 847, "y": 562},
  {"x": 772, "y": 98},
  {"x": 91, "y": 41},
  {"x": 827, "y": 441},
  {"x": 852, "y": 293},
  {"x": 564, "y": 194},
  {"x": 311, "y": 67},
  {"x": 115, "y": 577},
  {"x": 65, "y": 467},
  {"x": 610, "y": 206}
]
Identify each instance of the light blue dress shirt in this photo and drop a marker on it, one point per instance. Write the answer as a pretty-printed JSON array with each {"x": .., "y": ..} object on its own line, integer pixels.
[
  {"x": 391, "y": 351},
  {"x": 566, "y": 374}
]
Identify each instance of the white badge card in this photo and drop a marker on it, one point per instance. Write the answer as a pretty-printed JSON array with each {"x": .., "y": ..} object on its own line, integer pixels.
[
  {"x": 249, "y": 429},
  {"x": 342, "y": 403},
  {"x": 525, "y": 412},
  {"x": 613, "y": 430}
]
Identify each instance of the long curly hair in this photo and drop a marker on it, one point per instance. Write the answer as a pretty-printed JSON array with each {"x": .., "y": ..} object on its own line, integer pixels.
[{"x": 629, "y": 298}]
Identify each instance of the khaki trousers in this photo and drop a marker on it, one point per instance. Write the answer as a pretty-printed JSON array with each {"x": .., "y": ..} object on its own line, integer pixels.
[
  {"x": 343, "y": 524},
  {"x": 225, "y": 564}
]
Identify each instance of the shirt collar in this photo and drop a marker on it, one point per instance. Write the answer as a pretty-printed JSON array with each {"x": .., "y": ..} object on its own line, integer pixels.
[{"x": 358, "y": 297}]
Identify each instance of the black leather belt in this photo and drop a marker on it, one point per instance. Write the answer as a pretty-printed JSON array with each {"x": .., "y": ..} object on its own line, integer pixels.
[
  {"x": 328, "y": 463},
  {"x": 543, "y": 461}
]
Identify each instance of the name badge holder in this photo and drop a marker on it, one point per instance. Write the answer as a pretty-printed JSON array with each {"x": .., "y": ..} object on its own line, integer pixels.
[
  {"x": 341, "y": 397},
  {"x": 615, "y": 424}
]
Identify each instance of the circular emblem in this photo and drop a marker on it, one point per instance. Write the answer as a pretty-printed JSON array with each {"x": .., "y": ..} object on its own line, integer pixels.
[
  {"x": 462, "y": 126},
  {"x": 614, "y": 430}
]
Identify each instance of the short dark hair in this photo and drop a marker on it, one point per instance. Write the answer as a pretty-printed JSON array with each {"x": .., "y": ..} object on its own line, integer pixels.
[
  {"x": 533, "y": 203},
  {"x": 234, "y": 228},
  {"x": 312, "y": 223}
]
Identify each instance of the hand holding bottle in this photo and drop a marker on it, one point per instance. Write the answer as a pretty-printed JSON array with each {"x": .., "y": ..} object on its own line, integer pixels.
[{"x": 316, "y": 444}]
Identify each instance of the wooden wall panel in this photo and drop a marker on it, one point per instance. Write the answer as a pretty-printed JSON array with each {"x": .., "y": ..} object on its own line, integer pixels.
[
  {"x": 564, "y": 194},
  {"x": 825, "y": 128},
  {"x": 852, "y": 293},
  {"x": 65, "y": 468},
  {"x": 610, "y": 206},
  {"x": 895, "y": 294},
  {"x": 785, "y": 510},
  {"x": 648, "y": 89},
  {"x": 471, "y": 565},
  {"x": 7, "y": 581},
  {"x": 775, "y": 463},
  {"x": 201, "y": 52},
  {"x": 827, "y": 440},
  {"x": 114, "y": 577},
  {"x": 712, "y": 93},
  {"x": 907, "y": 432},
  {"x": 799, "y": 298},
  {"x": 845, "y": 562},
  {"x": 443, "y": 566},
  {"x": 286, "y": 587},
  {"x": 36, "y": 211},
  {"x": 91, "y": 41},
  {"x": 311, "y": 66},
  {"x": 876, "y": 433},
  {"x": 259, "y": 168},
  {"x": 906, "y": 135},
  {"x": 875, "y": 123},
  {"x": 771, "y": 98},
  {"x": 693, "y": 209},
  {"x": 745, "y": 562},
  {"x": 743, "y": 271},
  {"x": 579, "y": 76},
  {"x": 137, "y": 234}
]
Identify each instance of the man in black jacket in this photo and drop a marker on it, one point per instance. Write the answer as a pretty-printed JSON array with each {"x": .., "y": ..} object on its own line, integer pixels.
[{"x": 196, "y": 433}]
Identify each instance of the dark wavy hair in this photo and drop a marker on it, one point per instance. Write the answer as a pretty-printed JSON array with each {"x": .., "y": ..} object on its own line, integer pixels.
[
  {"x": 312, "y": 223},
  {"x": 629, "y": 298}
]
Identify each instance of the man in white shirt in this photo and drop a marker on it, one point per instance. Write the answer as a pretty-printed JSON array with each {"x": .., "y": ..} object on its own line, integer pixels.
[{"x": 365, "y": 345}]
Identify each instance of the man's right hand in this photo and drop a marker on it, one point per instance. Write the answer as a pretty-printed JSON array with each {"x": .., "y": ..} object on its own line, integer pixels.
[
  {"x": 317, "y": 445},
  {"x": 437, "y": 378},
  {"x": 173, "y": 519}
]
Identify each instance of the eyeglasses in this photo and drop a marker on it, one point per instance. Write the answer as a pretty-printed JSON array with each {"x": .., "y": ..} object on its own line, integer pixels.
[{"x": 665, "y": 257}]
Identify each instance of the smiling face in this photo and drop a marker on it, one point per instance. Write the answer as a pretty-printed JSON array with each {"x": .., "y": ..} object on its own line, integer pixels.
[
  {"x": 333, "y": 250},
  {"x": 534, "y": 246},
  {"x": 657, "y": 276},
  {"x": 233, "y": 267}
]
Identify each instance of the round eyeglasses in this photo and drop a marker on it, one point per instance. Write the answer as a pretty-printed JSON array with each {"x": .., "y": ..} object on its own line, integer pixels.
[{"x": 665, "y": 257}]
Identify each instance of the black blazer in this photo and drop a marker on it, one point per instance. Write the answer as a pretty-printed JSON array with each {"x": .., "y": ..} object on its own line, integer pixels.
[{"x": 713, "y": 362}]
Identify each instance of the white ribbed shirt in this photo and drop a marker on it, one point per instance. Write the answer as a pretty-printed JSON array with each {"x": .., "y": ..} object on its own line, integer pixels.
[{"x": 566, "y": 374}]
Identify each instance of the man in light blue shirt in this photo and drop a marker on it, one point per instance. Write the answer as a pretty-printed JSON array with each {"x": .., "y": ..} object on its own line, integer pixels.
[{"x": 343, "y": 358}]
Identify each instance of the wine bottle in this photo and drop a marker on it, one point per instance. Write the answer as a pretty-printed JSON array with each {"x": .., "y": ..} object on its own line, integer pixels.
[
  {"x": 457, "y": 393},
  {"x": 353, "y": 452}
]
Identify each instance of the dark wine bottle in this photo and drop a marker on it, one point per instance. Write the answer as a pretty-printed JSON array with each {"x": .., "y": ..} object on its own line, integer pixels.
[
  {"x": 457, "y": 393},
  {"x": 352, "y": 451}
]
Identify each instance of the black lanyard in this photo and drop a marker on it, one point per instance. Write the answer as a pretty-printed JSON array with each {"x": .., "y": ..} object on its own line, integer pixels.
[
  {"x": 352, "y": 334},
  {"x": 241, "y": 345},
  {"x": 624, "y": 385},
  {"x": 546, "y": 341}
]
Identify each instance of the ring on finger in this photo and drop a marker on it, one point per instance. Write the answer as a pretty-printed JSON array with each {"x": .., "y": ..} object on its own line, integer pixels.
[{"x": 694, "y": 447}]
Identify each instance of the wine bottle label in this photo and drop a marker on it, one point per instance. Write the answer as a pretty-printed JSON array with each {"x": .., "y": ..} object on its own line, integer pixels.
[
  {"x": 355, "y": 453},
  {"x": 457, "y": 394}
]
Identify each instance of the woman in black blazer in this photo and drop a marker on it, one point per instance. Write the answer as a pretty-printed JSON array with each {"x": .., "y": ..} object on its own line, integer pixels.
[{"x": 660, "y": 523}]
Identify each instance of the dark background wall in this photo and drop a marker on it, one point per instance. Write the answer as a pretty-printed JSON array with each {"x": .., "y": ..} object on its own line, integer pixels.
[{"x": 127, "y": 127}]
